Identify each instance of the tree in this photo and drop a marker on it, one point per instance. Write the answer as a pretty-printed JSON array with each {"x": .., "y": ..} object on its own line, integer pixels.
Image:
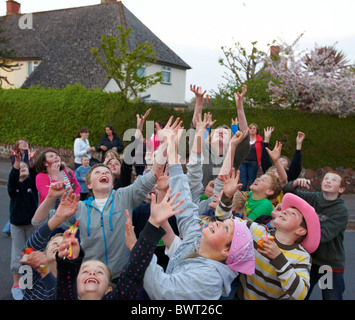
[
  {"x": 125, "y": 66},
  {"x": 244, "y": 68},
  {"x": 317, "y": 81},
  {"x": 5, "y": 57}
]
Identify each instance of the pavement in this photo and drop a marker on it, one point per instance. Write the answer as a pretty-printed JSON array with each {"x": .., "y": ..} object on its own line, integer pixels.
[{"x": 5, "y": 167}]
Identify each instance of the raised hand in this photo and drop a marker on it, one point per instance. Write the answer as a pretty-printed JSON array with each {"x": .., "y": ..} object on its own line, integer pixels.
[
  {"x": 141, "y": 119},
  {"x": 69, "y": 240},
  {"x": 240, "y": 97},
  {"x": 231, "y": 184},
  {"x": 276, "y": 152},
  {"x": 130, "y": 236},
  {"x": 68, "y": 205},
  {"x": 159, "y": 212},
  {"x": 239, "y": 137}
]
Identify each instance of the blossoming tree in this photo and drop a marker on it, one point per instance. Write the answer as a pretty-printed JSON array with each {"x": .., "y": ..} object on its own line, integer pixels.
[{"x": 319, "y": 81}]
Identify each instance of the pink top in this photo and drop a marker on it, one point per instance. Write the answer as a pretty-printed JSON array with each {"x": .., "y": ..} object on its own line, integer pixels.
[{"x": 43, "y": 181}]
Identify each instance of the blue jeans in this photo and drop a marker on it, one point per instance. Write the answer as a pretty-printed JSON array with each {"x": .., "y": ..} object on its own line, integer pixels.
[
  {"x": 248, "y": 172},
  {"x": 337, "y": 287}
]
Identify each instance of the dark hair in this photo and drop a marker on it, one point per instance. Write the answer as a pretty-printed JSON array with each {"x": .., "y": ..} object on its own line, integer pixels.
[
  {"x": 109, "y": 126},
  {"x": 40, "y": 166},
  {"x": 81, "y": 131}
]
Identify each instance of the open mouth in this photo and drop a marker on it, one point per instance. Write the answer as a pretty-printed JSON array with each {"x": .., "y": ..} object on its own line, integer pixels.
[
  {"x": 104, "y": 179},
  {"x": 211, "y": 227},
  {"x": 91, "y": 280}
]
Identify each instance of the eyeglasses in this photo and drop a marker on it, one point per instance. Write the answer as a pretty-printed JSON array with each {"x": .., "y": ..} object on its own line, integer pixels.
[
  {"x": 23, "y": 142},
  {"x": 23, "y": 166}
]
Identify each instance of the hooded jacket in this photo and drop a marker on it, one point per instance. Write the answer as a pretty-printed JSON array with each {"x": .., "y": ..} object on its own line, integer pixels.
[
  {"x": 102, "y": 233},
  {"x": 188, "y": 276}
]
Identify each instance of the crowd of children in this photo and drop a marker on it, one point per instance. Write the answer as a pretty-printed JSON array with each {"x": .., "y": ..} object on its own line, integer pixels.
[{"x": 176, "y": 232}]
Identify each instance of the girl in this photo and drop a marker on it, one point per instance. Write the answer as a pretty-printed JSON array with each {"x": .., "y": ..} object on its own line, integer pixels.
[{"x": 50, "y": 169}]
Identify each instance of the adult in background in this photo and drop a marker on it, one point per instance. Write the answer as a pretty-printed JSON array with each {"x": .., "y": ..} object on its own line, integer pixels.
[
  {"x": 109, "y": 141},
  {"x": 250, "y": 165},
  {"x": 82, "y": 146}
]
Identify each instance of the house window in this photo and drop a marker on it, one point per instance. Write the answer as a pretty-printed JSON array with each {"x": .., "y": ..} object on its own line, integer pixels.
[
  {"x": 166, "y": 74},
  {"x": 31, "y": 66},
  {"x": 141, "y": 71}
]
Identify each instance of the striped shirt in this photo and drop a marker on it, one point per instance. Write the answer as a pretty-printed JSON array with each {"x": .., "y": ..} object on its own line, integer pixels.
[{"x": 284, "y": 278}]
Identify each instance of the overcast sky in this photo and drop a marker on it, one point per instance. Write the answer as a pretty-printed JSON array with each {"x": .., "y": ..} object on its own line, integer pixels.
[{"x": 196, "y": 29}]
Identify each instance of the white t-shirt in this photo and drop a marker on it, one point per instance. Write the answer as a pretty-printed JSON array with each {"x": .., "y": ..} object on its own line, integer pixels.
[{"x": 100, "y": 203}]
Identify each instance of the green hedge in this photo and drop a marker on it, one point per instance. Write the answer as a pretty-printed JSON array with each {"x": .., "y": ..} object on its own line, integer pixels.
[{"x": 52, "y": 117}]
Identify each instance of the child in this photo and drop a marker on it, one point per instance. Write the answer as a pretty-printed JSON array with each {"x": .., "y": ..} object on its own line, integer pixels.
[
  {"x": 80, "y": 174},
  {"x": 45, "y": 246},
  {"x": 207, "y": 261},
  {"x": 23, "y": 204},
  {"x": 333, "y": 216},
  {"x": 93, "y": 278},
  {"x": 264, "y": 189},
  {"x": 283, "y": 265}
]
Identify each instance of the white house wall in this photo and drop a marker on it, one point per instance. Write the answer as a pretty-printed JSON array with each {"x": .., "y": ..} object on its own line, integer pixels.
[{"x": 173, "y": 92}]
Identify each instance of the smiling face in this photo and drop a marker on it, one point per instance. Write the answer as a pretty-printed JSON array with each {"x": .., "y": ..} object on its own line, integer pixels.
[
  {"x": 332, "y": 184},
  {"x": 290, "y": 220},
  {"x": 99, "y": 181},
  {"x": 23, "y": 145},
  {"x": 115, "y": 167},
  {"x": 263, "y": 185},
  {"x": 52, "y": 158},
  {"x": 93, "y": 280},
  {"x": 218, "y": 235}
]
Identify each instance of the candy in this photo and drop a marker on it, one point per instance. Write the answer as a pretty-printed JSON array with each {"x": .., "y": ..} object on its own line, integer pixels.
[
  {"x": 261, "y": 241},
  {"x": 73, "y": 230},
  {"x": 203, "y": 224},
  {"x": 26, "y": 253}
]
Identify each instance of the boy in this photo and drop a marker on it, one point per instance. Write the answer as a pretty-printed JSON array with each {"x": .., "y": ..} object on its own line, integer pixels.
[
  {"x": 283, "y": 265},
  {"x": 80, "y": 174},
  {"x": 263, "y": 189},
  {"x": 333, "y": 217}
]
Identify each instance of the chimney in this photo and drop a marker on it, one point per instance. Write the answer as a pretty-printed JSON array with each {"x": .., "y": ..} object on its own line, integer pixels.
[
  {"x": 108, "y": 1},
  {"x": 274, "y": 51},
  {"x": 12, "y": 8}
]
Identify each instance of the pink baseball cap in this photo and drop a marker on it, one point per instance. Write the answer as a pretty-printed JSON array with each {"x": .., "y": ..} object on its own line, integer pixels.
[
  {"x": 311, "y": 242},
  {"x": 241, "y": 256}
]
